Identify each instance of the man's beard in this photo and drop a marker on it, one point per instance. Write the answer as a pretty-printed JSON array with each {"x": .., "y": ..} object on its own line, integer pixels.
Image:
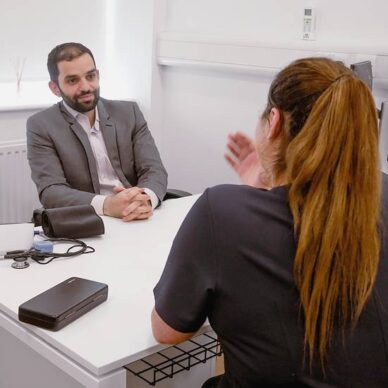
[{"x": 82, "y": 107}]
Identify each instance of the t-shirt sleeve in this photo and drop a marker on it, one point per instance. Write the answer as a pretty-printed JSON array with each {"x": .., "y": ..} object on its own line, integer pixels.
[{"x": 184, "y": 293}]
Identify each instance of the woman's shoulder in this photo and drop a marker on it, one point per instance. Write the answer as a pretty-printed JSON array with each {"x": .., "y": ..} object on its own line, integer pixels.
[
  {"x": 242, "y": 198},
  {"x": 232, "y": 189},
  {"x": 243, "y": 191}
]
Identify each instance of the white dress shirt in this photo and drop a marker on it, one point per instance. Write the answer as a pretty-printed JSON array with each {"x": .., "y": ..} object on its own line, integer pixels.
[{"x": 106, "y": 174}]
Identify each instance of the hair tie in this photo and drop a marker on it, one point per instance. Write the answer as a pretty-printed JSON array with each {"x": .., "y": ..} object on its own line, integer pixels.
[{"x": 340, "y": 76}]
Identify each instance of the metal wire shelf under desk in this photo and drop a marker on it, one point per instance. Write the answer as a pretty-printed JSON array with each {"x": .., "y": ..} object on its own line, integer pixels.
[{"x": 178, "y": 358}]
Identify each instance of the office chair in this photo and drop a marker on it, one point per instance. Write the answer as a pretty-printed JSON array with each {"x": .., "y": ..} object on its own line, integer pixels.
[
  {"x": 383, "y": 129},
  {"x": 174, "y": 193},
  {"x": 363, "y": 70}
]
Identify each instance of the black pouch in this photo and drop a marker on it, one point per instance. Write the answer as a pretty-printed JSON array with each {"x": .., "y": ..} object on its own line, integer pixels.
[
  {"x": 72, "y": 222},
  {"x": 62, "y": 304}
]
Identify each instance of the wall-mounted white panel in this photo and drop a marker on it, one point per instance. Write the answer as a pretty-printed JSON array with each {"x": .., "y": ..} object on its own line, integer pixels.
[
  {"x": 228, "y": 53},
  {"x": 261, "y": 57}
]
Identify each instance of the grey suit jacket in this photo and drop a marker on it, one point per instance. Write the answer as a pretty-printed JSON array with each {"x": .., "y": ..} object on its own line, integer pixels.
[{"x": 62, "y": 161}]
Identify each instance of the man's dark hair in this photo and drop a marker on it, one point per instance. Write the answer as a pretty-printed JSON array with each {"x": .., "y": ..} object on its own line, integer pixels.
[{"x": 65, "y": 52}]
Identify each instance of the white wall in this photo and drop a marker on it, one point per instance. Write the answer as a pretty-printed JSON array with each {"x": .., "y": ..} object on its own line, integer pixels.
[
  {"x": 201, "y": 108},
  {"x": 202, "y": 105},
  {"x": 13, "y": 125},
  {"x": 345, "y": 21},
  {"x": 130, "y": 52},
  {"x": 30, "y": 29}
]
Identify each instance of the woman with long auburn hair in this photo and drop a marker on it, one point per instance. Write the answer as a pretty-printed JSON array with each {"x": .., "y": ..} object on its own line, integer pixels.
[{"x": 291, "y": 273}]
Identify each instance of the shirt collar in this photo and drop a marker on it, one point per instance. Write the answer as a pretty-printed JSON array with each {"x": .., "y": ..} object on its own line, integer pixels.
[{"x": 77, "y": 114}]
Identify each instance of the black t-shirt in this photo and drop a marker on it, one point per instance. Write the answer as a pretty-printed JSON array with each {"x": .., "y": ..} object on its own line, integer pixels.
[{"x": 232, "y": 262}]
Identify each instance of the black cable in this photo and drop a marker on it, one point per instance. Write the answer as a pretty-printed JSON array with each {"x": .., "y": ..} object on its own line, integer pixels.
[{"x": 40, "y": 256}]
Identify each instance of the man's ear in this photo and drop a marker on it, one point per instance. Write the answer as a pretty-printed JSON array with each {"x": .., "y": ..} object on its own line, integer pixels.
[
  {"x": 275, "y": 124},
  {"x": 54, "y": 88}
]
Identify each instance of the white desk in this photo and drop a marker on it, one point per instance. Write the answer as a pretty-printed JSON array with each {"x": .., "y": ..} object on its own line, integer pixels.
[{"x": 92, "y": 350}]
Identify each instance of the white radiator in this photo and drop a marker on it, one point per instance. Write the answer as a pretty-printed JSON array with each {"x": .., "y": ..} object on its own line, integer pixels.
[{"x": 18, "y": 194}]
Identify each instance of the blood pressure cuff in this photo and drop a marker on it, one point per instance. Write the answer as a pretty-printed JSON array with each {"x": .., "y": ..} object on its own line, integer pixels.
[{"x": 72, "y": 222}]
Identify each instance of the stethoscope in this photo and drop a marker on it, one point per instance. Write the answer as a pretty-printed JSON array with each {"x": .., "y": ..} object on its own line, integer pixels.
[{"x": 20, "y": 257}]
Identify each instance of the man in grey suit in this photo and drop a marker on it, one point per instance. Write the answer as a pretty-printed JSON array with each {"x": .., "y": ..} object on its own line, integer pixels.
[{"x": 89, "y": 150}]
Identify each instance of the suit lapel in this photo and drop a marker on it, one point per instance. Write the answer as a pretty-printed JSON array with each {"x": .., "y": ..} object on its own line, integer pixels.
[
  {"x": 108, "y": 130},
  {"x": 83, "y": 138}
]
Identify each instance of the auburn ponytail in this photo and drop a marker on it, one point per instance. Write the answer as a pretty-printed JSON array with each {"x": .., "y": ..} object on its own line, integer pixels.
[{"x": 332, "y": 167}]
